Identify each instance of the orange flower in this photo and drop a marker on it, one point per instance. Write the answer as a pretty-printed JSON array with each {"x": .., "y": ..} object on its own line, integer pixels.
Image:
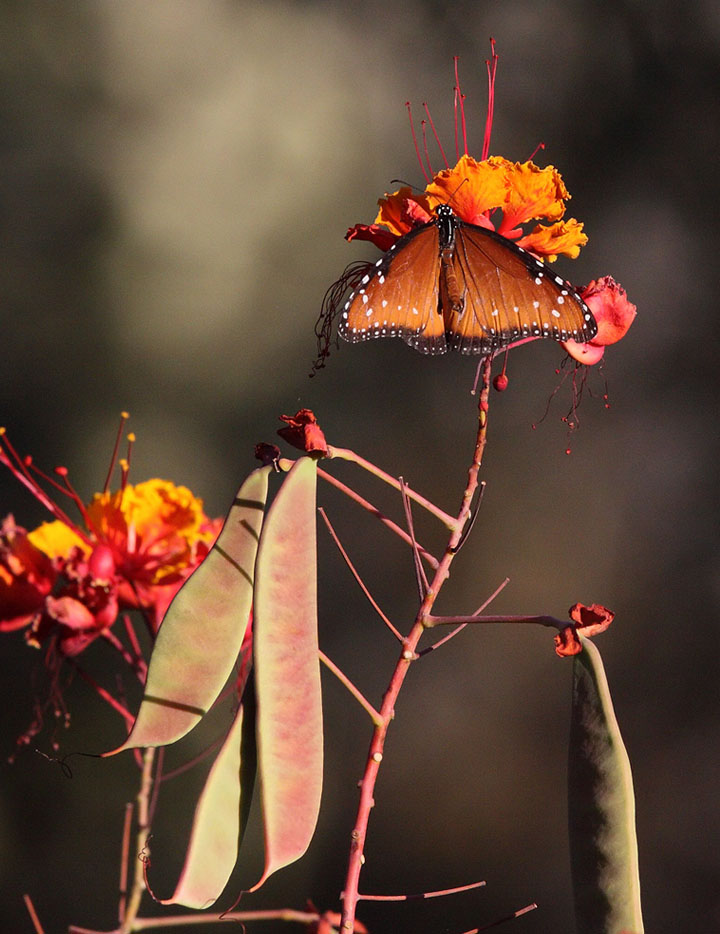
[
  {"x": 496, "y": 194},
  {"x": 132, "y": 550},
  {"x": 521, "y": 201}
]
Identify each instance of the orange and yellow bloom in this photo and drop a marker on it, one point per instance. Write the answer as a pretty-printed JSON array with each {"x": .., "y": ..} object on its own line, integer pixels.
[{"x": 133, "y": 550}]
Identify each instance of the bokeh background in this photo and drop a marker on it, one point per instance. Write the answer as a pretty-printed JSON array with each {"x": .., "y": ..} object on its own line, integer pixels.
[{"x": 176, "y": 179}]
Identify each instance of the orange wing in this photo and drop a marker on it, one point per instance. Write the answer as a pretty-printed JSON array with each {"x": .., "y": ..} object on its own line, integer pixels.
[
  {"x": 399, "y": 296},
  {"x": 508, "y": 295}
]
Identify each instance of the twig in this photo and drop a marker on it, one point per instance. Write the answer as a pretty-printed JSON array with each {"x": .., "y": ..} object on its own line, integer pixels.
[
  {"x": 551, "y": 621},
  {"x": 124, "y": 856},
  {"x": 141, "y": 842},
  {"x": 493, "y": 924},
  {"x": 357, "y": 577},
  {"x": 408, "y": 898},
  {"x": 422, "y": 581},
  {"x": 377, "y": 742},
  {"x": 348, "y": 455},
  {"x": 450, "y": 635},
  {"x": 280, "y": 914},
  {"x": 393, "y": 526},
  {"x": 33, "y": 914},
  {"x": 356, "y": 693}
]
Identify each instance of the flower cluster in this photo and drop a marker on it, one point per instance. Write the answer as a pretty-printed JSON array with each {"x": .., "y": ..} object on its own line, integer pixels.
[
  {"x": 502, "y": 196},
  {"x": 133, "y": 549}
]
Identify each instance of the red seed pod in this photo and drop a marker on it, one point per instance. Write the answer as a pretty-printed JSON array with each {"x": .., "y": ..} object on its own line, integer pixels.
[{"x": 500, "y": 382}]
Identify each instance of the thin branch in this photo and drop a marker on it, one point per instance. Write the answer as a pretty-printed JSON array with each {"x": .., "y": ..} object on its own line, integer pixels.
[
  {"x": 124, "y": 856},
  {"x": 450, "y": 635},
  {"x": 473, "y": 517},
  {"x": 280, "y": 914},
  {"x": 33, "y": 914},
  {"x": 408, "y": 898},
  {"x": 551, "y": 621},
  {"x": 402, "y": 666},
  {"x": 348, "y": 455},
  {"x": 141, "y": 843},
  {"x": 357, "y": 577},
  {"x": 393, "y": 526},
  {"x": 422, "y": 581},
  {"x": 356, "y": 693},
  {"x": 494, "y": 924}
]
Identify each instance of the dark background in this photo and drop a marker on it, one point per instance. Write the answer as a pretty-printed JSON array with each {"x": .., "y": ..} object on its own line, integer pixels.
[{"x": 176, "y": 181}]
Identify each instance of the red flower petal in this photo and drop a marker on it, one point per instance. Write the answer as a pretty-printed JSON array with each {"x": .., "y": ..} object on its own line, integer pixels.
[
  {"x": 376, "y": 234},
  {"x": 614, "y": 314}
]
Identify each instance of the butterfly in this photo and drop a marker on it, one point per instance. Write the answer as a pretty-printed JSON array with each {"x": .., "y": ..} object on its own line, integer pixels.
[{"x": 450, "y": 285}]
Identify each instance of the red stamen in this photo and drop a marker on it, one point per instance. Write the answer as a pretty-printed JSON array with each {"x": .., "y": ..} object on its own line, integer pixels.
[
  {"x": 435, "y": 134},
  {"x": 414, "y": 137},
  {"x": 535, "y": 151},
  {"x": 72, "y": 493},
  {"x": 19, "y": 469},
  {"x": 124, "y": 416},
  {"x": 491, "y": 70},
  {"x": 459, "y": 96},
  {"x": 423, "y": 124}
]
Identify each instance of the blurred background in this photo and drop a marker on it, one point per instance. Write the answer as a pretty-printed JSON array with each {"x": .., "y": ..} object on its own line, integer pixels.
[{"x": 176, "y": 181}]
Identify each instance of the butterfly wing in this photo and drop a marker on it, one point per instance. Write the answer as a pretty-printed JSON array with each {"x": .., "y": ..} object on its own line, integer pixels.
[
  {"x": 399, "y": 296},
  {"x": 508, "y": 295}
]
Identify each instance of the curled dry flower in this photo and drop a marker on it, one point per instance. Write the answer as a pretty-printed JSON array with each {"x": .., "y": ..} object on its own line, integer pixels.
[
  {"x": 588, "y": 621},
  {"x": 303, "y": 432}
]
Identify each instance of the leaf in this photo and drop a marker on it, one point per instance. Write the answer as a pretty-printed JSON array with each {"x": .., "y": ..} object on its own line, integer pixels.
[
  {"x": 603, "y": 843},
  {"x": 201, "y": 634},
  {"x": 220, "y": 819},
  {"x": 287, "y": 671}
]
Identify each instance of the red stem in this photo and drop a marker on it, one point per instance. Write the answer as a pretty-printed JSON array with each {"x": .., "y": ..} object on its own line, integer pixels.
[{"x": 402, "y": 666}]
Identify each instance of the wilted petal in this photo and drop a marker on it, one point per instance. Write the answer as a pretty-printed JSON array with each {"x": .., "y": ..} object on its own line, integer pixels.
[
  {"x": 592, "y": 619},
  {"x": 609, "y": 304}
]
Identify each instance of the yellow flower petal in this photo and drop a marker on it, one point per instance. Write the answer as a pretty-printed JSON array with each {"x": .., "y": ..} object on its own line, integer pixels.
[
  {"x": 155, "y": 521},
  {"x": 56, "y": 540}
]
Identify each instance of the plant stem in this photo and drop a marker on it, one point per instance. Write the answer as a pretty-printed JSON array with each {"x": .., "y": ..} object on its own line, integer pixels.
[
  {"x": 402, "y": 666},
  {"x": 141, "y": 843}
]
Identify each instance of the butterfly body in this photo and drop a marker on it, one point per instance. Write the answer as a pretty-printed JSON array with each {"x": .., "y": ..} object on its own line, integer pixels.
[{"x": 450, "y": 285}]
